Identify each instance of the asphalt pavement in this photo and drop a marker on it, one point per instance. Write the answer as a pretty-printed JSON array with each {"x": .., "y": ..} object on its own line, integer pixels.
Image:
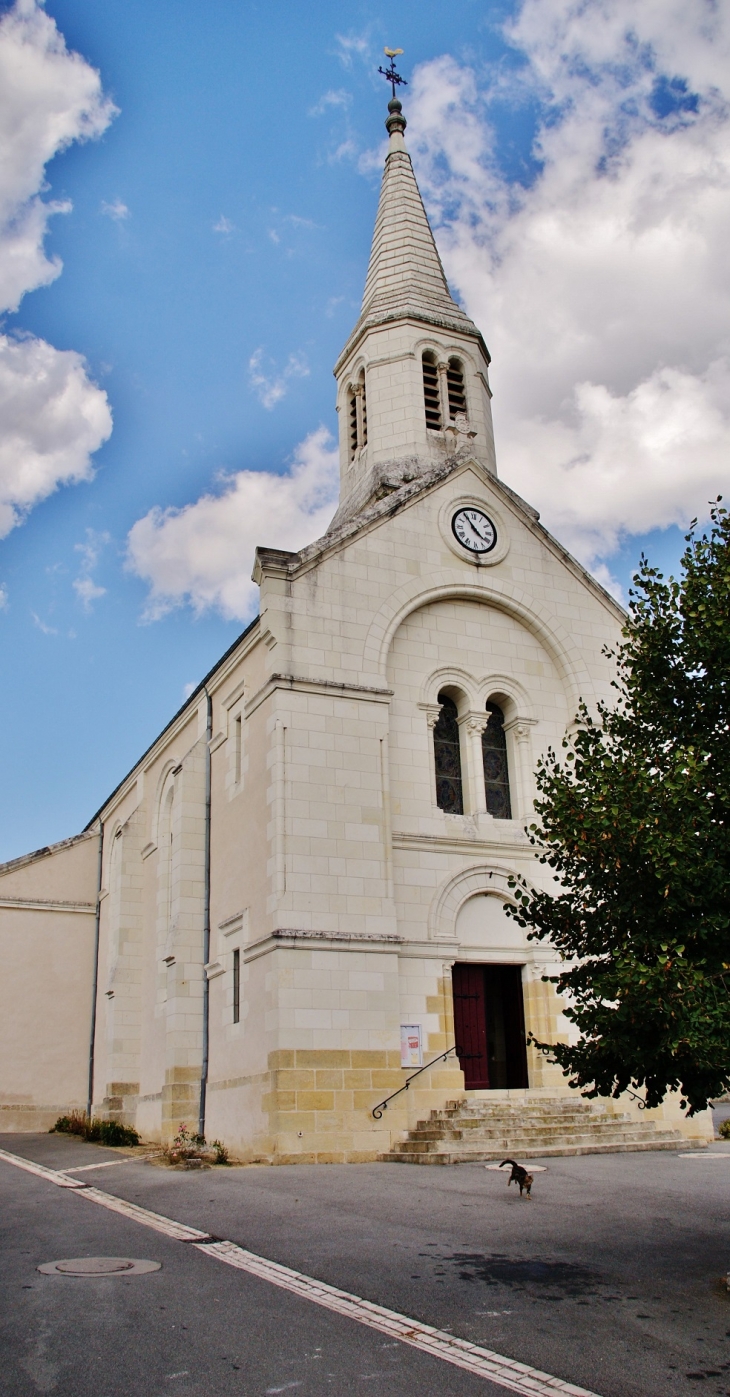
[{"x": 612, "y": 1278}]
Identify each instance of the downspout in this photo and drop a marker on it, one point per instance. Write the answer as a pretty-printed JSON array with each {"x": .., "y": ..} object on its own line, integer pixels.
[
  {"x": 206, "y": 916},
  {"x": 94, "y": 992}
]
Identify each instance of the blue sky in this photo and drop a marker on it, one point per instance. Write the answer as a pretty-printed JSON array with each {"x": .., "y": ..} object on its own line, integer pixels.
[{"x": 214, "y": 255}]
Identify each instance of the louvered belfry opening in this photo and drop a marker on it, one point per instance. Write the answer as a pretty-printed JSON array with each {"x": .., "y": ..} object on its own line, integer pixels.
[
  {"x": 447, "y": 758},
  {"x": 431, "y": 397},
  {"x": 358, "y": 417},
  {"x": 364, "y": 421},
  {"x": 455, "y": 384},
  {"x": 496, "y": 772}
]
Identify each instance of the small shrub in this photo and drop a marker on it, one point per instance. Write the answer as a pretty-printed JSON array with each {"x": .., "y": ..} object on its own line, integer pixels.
[
  {"x": 723, "y": 1130},
  {"x": 221, "y": 1153},
  {"x": 96, "y": 1131},
  {"x": 190, "y": 1149},
  {"x": 75, "y": 1124}
]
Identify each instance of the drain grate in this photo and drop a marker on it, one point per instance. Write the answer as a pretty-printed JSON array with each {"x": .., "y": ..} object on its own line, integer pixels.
[{"x": 99, "y": 1266}]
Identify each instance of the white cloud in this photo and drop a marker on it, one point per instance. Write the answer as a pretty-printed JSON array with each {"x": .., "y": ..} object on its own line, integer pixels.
[
  {"x": 52, "y": 417},
  {"x": 333, "y": 98},
  {"x": 352, "y": 45},
  {"x": 87, "y": 591},
  {"x": 4, "y": 600},
  {"x": 91, "y": 550},
  {"x": 42, "y": 626},
  {"x": 269, "y": 385},
  {"x": 203, "y": 554},
  {"x": 224, "y": 225},
  {"x": 117, "y": 210},
  {"x": 84, "y": 586},
  {"x": 48, "y": 99},
  {"x": 603, "y": 289}
]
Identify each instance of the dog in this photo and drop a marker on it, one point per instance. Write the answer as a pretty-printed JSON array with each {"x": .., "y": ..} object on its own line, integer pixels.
[{"x": 519, "y": 1176}]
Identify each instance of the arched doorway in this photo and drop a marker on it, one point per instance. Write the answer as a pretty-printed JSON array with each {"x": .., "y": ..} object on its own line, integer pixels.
[{"x": 489, "y": 1016}]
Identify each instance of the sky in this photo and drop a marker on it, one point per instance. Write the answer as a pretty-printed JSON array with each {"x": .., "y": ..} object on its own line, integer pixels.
[{"x": 187, "y": 198}]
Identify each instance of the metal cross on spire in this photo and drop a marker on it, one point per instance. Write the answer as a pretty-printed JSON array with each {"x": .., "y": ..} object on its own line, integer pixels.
[{"x": 394, "y": 78}]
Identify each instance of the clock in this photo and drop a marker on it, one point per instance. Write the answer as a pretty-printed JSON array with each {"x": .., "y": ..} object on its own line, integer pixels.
[{"x": 474, "y": 530}]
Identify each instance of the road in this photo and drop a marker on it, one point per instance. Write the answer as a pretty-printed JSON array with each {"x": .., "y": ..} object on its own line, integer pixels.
[{"x": 609, "y": 1279}]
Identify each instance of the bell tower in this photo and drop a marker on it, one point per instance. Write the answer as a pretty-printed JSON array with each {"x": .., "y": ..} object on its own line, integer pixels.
[{"x": 413, "y": 378}]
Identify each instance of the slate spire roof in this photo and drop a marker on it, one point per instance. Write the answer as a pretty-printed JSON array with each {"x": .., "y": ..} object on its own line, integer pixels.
[{"x": 405, "y": 276}]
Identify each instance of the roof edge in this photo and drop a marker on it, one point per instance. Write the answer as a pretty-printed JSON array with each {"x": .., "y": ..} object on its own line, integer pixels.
[
  {"x": 189, "y": 703},
  {"x": 46, "y": 852},
  {"x": 390, "y": 504}
]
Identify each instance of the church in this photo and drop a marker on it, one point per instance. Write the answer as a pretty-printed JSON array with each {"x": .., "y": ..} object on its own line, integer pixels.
[{"x": 296, "y": 898}]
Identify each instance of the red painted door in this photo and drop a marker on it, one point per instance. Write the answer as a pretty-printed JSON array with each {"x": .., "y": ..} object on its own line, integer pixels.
[{"x": 470, "y": 1025}]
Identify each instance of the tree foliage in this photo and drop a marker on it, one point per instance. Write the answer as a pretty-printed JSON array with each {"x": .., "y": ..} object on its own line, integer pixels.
[{"x": 634, "y": 820}]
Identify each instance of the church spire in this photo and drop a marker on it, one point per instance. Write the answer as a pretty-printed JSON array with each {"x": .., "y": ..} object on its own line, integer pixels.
[
  {"x": 413, "y": 376},
  {"x": 405, "y": 275}
]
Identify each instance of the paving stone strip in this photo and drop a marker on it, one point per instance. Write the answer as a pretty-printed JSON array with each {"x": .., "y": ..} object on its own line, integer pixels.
[{"x": 482, "y": 1362}]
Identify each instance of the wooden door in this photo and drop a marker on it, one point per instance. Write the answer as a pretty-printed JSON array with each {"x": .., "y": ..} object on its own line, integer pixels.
[
  {"x": 505, "y": 1018},
  {"x": 470, "y": 1025}
]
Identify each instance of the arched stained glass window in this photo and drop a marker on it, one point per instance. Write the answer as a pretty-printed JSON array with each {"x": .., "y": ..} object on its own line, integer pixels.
[
  {"x": 496, "y": 774},
  {"x": 447, "y": 756}
]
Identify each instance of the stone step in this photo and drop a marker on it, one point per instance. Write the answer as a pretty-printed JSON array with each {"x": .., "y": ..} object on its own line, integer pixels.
[
  {"x": 472, "y": 1130},
  {"x": 467, "y": 1131},
  {"x": 533, "y": 1144},
  {"x": 548, "y": 1152},
  {"x": 535, "y": 1128},
  {"x": 500, "y": 1132},
  {"x": 530, "y": 1117}
]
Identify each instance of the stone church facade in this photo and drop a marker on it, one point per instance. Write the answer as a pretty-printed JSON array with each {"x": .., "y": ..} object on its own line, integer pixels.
[{"x": 309, "y": 866}]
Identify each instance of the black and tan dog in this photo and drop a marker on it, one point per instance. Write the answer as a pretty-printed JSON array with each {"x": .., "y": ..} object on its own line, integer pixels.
[{"x": 519, "y": 1176}]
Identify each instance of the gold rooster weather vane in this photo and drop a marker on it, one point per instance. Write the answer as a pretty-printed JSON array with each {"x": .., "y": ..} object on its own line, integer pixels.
[{"x": 393, "y": 78}]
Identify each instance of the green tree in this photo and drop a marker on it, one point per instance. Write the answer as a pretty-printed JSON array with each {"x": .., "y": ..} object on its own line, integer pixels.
[{"x": 634, "y": 821}]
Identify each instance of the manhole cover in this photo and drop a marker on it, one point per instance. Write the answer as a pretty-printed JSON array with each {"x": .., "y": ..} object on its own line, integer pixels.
[{"x": 99, "y": 1266}]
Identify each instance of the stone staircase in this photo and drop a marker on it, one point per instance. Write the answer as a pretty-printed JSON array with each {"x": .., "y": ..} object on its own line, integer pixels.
[{"x": 534, "y": 1128}]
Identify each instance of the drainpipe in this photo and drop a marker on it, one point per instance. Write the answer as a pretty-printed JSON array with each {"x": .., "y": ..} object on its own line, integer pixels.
[
  {"x": 92, "y": 1036},
  {"x": 206, "y": 917}
]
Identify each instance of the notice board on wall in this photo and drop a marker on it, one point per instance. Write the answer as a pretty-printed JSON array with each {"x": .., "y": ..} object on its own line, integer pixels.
[{"x": 411, "y": 1050}]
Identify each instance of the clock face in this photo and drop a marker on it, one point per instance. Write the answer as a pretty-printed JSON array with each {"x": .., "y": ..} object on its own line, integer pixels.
[{"x": 474, "y": 530}]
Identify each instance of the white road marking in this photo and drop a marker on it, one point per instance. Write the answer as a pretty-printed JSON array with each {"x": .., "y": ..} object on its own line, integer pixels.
[
  {"x": 105, "y": 1164},
  {"x": 504, "y": 1372},
  {"x": 52, "y": 1175},
  {"x": 531, "y": 1168},
  {"x": 697, "y": 1155},
  {"x": 177, "y": 1230}
]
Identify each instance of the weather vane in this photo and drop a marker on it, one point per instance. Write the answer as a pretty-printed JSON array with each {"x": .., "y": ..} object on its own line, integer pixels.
[{"x": 394, "y": 78}]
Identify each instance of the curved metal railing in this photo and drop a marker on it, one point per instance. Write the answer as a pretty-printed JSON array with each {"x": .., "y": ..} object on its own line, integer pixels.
[{"x": 377, "y": 1111}]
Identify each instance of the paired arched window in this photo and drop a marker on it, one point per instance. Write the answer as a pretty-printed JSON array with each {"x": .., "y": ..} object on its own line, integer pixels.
[
  {"x": 447, "y": 761},
  {"x": 447, "y": 757},
  {"x": 444, "y": 393},
  {"x": 358, "y": 420},
  {"x": 496, "y": 773}
]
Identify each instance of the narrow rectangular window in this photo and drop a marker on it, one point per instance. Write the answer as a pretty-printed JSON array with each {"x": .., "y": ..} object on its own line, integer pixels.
[
  {"x": 236, "y": 986},
  {"x": 237, "y": 749}
]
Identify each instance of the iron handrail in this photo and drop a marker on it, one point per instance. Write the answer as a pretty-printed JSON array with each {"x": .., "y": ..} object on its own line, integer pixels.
[{"x": 377, "y": 1111}]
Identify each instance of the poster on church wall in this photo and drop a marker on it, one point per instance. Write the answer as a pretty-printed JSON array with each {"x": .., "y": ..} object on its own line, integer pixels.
[{"x": 411, "y": 1051}]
